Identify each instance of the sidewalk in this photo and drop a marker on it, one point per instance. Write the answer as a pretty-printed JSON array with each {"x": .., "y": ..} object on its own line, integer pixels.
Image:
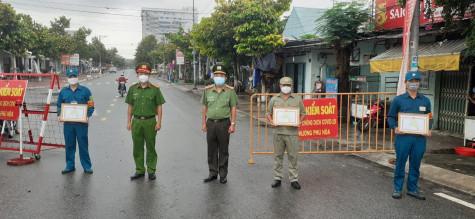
[{"x": 440, "y": 163}]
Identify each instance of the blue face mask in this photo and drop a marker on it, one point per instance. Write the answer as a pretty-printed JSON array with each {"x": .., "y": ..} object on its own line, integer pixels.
[
  {"x": 218, "y": 81},
  {"x": 473, "y": 90}
]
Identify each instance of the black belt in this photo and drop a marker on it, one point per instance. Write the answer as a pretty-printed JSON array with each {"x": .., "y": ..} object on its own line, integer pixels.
[
  {"x": 143, "y": 117},
  {"x": 218, "y": 120}
]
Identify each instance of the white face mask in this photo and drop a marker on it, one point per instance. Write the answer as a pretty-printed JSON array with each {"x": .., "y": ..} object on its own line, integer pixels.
[
  {"x": 72, "y": 81},
  {"x": 286, "y": 90},
  {"x": 143, "y": 78}
]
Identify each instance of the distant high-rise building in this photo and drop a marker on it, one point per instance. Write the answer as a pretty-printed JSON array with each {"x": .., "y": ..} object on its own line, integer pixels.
[{"x": 159, "y": 21}]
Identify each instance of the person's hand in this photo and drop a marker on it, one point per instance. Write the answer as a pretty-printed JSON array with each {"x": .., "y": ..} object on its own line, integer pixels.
[
  {"x": 87, "y": 120},
  {"x": 300, "y": 124},
  {"x": 129, "y": 126},
  {"x": 231, "y": 129},
  {"x": 203, "y": 127},
  {"x": 428, "y": 134},
  {"x": 272, "y": 123},
  {"x": 59, "y": 119},
  {"x": 396, "y": 130},
  {"x": 158, "y": 126}
]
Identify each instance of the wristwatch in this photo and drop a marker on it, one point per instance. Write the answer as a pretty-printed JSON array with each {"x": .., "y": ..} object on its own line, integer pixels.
[{"x": 233, "y": 123}]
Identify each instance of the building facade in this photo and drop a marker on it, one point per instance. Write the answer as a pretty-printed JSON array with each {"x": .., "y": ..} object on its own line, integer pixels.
[{"x": 159, "y": 21}]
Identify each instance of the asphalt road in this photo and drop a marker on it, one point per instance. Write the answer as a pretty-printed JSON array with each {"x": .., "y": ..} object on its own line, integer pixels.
[{"x": 333, "y": 186}]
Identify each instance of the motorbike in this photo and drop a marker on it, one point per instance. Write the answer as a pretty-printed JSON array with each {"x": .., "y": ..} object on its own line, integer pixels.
[
  {"x": 122, "y": 88},
  {"x": 10, "y": 128},
  {"x": 375, "y": 116}
]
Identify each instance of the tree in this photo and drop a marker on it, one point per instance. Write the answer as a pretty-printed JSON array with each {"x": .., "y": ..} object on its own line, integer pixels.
[
  {"x": 15, "y": 34},
  {"x": 183, "y": 42},
  {"x": 145, "y": 46},
  {"x": 58, "y": 26},
  {"x": 340, "y": 30},
  {"x": 257, "y": 26},
  {"x": 81, "y": 45}
]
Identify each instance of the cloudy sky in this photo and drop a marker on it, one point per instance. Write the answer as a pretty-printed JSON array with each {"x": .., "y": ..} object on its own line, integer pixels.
[{"x": 118, "y": 21}]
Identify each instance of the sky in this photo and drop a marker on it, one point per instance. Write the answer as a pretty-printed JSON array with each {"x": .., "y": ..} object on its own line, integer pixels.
[{"x": 118, "y": 22}]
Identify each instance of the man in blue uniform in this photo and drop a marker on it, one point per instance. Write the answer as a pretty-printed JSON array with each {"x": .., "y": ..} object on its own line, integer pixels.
[
  {"x": 76, "y": 94},
  {"x": 408, "y": 145}
]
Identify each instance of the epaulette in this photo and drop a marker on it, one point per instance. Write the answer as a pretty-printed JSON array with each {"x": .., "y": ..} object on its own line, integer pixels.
[
  {"x": 135, "y": 83},
  {"x": 155, "y": 85},
  {"x": 209, "y": 86},
  {"x": 227, "y": 86}
]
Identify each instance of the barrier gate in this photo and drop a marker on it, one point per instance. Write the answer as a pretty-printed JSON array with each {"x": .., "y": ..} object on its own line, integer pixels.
[
  {"x": 355, "y": 134},
  {"x": 40, "y": 126}
]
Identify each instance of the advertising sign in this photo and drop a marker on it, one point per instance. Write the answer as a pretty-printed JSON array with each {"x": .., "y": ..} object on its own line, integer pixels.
[
  {"x": 389, "y": 15},
  {"x": 331, "y": 87},
  {"x": 11, "y": 91},
  {"x": 180, "y": 58},
  {"x": 74, "y": 60},
  {"x": 65, "y": 59},
  {"x": 321, "y": 120}
]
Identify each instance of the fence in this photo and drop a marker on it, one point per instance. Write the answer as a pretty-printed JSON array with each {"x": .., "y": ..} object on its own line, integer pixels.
[{"x": 362, "y": 125}]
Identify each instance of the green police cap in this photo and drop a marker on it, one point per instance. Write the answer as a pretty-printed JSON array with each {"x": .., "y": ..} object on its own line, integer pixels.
[
  {"x": 143, "y": 67},
  {"x": 219, "y": 69},
  {"x": 286, "y": 80}
]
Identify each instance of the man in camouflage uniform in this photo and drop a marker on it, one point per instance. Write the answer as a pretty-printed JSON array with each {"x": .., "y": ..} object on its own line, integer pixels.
[
  {"x": 219, "y": 105},
  {"x": 285, "y": 137}
]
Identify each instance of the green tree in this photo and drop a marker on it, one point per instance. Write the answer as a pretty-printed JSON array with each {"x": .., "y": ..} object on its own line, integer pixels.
[
  {"x": 15, "y": 33},
  {"x": 58, "y": 26},
  {"x": 81, "y": 46},
  {"x": 340, "y": 30},
  {"x": 183, "y": 42},
  {"x": 145, "y": 46}
]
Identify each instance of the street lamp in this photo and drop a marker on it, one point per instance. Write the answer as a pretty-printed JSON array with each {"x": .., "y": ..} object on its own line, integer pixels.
[{"x": 194, "y": 52}]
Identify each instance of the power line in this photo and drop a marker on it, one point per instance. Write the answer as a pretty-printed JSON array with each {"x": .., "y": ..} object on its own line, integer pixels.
[{"x": 88, "y": 6}]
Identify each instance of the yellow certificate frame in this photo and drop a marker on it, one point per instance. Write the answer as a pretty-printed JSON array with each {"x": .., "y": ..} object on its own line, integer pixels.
[
  {"x": 286, "y": 116},
  {"x": 74, "y": 112},
  {"x": 413, "y": 123}
]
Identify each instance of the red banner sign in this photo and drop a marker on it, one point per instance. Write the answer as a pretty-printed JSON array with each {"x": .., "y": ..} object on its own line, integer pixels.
[
  {"x": 321, "y": 120},
  {"x": 389, "y": 15},
  {"x": 65, "y": 59},
  {"x": 11, "y": 93}
]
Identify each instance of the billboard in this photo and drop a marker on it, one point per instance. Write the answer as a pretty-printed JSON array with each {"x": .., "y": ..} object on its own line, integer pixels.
[
  {"x": 65, "y": 59},
  {"x": 74, "y": 60},
  {"x": 180, "y": 58}
]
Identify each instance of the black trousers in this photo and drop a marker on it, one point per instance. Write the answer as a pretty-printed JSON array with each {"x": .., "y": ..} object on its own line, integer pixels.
[{"x": 217, "y": 137}]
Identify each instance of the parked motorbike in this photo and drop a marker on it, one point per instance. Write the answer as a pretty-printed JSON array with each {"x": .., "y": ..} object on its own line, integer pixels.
[{"x": 375, "y": 116}]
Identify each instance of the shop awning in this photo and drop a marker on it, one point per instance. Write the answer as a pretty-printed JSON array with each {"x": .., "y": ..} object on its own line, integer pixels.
[{"x": 432, "y": 56}]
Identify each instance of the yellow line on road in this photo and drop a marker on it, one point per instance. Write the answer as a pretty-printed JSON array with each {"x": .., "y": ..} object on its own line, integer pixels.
[
  {"x": 112, "y": 104},
  {"x": 109, "y": 111},
  {"x": 103, "y": 119}
]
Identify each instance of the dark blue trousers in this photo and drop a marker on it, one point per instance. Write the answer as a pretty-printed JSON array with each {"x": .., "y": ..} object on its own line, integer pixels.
[
  {"x": 73, "y": 132},
  {"x": 412, "y": 147}
]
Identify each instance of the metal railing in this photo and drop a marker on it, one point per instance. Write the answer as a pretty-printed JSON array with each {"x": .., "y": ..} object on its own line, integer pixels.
[{"x": 355, "y": 133}]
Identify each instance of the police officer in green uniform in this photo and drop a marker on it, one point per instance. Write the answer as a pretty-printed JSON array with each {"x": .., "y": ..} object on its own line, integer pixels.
[
  {"x": 145, "y": 104},
  {"x": 219, "y": 106},
  {"x": 285, "y": 137}
]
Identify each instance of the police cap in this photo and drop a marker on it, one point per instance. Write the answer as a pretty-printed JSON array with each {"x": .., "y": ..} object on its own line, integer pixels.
[
  {"x": 143, "y": 67},
  {"x": 219, "y": 69},
  {"x": 286, "y": 80},
  {"x": 72, "y": 71},
  {"x": 413, "y": 75}
]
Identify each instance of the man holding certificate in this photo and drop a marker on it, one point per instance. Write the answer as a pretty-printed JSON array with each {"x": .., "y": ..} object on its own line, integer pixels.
[
  {"x": 286, "y": 113},
  {"x": 408, "y": 116},
  {"x": 75, "y": 106}
]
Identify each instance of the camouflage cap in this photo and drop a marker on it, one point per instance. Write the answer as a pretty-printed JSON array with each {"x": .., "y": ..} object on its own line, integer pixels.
[
  {"x": 219, "y": 69},
  {"x": 143, "y": 67},
  {"x": 286, "y": 80}
]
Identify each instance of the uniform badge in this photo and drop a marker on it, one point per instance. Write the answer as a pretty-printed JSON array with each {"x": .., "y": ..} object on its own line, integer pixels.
[
  {"x": 413, "y": 74},
  {"x": 218, "y": 68},
  {"x": 422, "y": 108},
  {"x": 144, "y": 66}
]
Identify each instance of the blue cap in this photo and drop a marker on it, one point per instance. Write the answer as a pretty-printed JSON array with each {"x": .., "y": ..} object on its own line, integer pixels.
[
  {"x": 72, "y": 71},
  {"x": 413, "y": 75}
]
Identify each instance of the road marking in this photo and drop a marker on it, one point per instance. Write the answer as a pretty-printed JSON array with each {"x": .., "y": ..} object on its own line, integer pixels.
[
  {"x": 112, "y": 104},
  {"x": 107, "y": 82},
  {"x": 115, "y": 100},
  {"x": 98, "y": 83},
  {"x": 456, "y": 200},
  {"x": 109, "y": 111},
  {"x": 103, "y": 119},
  {"x": 89, "y": 84}
]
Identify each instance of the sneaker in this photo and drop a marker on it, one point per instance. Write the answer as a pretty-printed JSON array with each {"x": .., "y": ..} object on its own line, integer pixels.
[
  {"x": 416, "y": 194},
  {"x": 397, "y": 195}
]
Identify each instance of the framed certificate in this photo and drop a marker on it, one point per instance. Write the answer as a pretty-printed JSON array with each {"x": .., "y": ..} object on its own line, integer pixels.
[
  {"x": 74, "y": 112},
  {"x": 412, "y": 123},
  {"x": 286, "y": 116}
]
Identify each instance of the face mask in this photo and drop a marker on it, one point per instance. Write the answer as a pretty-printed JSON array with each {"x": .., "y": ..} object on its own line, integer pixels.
[
  {"x": 473, "y": 90},
  {"x": 413, "y": 86},
  {"x": 72, "y": 81},
  {"x": 318, "y": 79},
  {"x": 218, "y": 80},
  {"x": 143, "y": 78},
  {"x": 286, "y": 90}
]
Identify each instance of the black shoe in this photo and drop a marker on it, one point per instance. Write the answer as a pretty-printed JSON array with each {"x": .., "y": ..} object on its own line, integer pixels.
[
  {"x": 210, "y": 178},
  {"x": 89, "y": 171},
  {"x": 223, "y": 180},
  {"x": 152, "y": 176},
  {"x": 68, "y": 170},
  {"x": 295, "y": 185},
  {"x": 397, "y": 195},
  {"x": 416, "y": 195},
  {"x": 276, "y": 183},
  {"x": 137, "y": 175}
]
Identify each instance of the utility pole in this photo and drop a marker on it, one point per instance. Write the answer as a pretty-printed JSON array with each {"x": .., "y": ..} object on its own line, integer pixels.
[
  {"x": 414, "y": 39},
  {"x": 100, "y": 58},
  {"x": 194, "y": 51}
]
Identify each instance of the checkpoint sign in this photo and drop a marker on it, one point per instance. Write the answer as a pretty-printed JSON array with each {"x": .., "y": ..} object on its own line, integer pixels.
[
  {"x": 321, "y": 120},
  {"x": 11, "y": 92}
]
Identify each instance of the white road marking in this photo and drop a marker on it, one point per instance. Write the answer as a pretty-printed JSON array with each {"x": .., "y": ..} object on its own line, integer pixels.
[
  {"x": 115, "y": 100},
  {"x": 109, "y": 111},
  {"x": 103, "y": 119},
  {"x": 107, "y": 82},
  {"x": 89, "y": 84},
  {"x": 456, "y": 200},
  {"x": 112, "y": 104},
  {"x": 98, "y": 83}
]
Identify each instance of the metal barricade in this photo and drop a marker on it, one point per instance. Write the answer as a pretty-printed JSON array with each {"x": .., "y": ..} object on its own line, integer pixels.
[{"x": 358, "y": 129}]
